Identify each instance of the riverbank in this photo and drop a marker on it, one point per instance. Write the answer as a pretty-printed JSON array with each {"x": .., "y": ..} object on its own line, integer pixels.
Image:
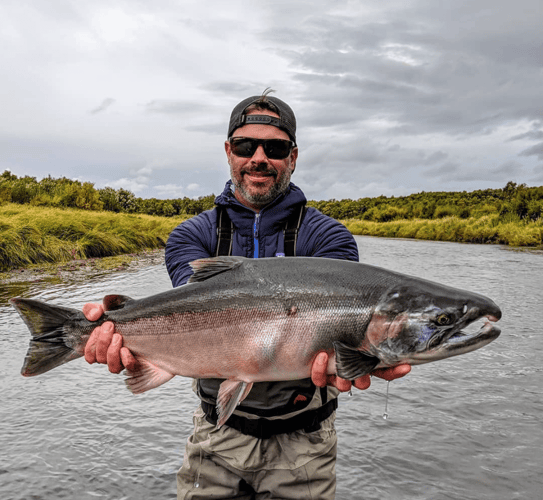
[
  {"x": 489, "y": 229},
  {"x": 41, "y": 236},
  {"x": 82, "y": 269},
  {"x": 53, "y": 240}
]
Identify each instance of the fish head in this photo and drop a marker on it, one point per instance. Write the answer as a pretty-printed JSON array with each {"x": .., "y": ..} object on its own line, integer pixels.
[{"x": 421, "y": 322}]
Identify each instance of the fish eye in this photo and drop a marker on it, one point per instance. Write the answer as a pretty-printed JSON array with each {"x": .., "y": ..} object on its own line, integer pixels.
[{"x": 443, "y": 320}]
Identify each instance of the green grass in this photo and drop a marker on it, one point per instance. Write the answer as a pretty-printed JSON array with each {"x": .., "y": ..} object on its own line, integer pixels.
[
  {"x": 485, "y": 229},
  {"x": 31, "y": 235},
  {"x": 34, "y": 235}
]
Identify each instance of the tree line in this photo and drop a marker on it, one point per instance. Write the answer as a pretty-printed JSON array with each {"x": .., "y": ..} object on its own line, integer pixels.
[
  {"x": 68, "y": 193},
  {"x": 514, "y": 202}
]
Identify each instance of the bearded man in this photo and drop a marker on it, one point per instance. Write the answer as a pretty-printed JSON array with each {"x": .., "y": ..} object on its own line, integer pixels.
[{"x": 280, "y": 442}]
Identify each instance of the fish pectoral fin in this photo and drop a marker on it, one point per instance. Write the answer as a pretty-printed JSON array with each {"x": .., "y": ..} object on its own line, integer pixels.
[
  {"x": 114, "y": 302},
  {"x": 352, "y": 363},
  {"x": 231, "y": 394},
  {"x": 207, "y": 268},
  {"x": 147, "y": 376}
]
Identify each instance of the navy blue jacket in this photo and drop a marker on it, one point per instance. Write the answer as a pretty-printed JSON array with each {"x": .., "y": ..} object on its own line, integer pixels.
[
  {"x": 196, "y": 238},
  {"x": 258, "y": 235}
]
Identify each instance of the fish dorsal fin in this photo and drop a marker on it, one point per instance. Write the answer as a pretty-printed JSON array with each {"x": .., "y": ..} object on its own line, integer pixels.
[
  {"x": 352, "y": 363},
  {"x": 209, "y": 267},
  {"x": 114, "y": 302}
]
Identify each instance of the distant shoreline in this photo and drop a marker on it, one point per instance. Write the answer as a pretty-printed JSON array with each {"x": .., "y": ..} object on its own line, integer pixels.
[{"x": 85, "y": 268}]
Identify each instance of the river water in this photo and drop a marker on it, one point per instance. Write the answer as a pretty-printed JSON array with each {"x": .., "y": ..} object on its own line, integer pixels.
[{"x": 464, "y": 428}]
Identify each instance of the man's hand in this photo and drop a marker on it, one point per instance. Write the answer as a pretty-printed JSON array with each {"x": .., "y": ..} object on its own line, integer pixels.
[
  {"x": 321, "y": 379},
  {"x": 104, "y": 345}
]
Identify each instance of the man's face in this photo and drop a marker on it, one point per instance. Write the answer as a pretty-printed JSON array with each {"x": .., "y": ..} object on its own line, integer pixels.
[{"x": 259, "y": 179}]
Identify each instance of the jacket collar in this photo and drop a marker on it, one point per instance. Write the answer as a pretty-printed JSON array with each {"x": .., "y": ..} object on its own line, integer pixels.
[{"x": 272, "y": 216}]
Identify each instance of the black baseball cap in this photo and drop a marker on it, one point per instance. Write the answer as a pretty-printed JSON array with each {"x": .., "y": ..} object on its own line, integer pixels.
[{"x": 286, "y": 120}]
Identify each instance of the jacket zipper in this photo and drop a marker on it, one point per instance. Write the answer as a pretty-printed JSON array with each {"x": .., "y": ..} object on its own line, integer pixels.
[{"x": 255, "y": 235}]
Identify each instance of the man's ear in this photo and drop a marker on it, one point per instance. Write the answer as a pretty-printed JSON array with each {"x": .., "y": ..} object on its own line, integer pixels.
[{"x": 293, "y": 158}]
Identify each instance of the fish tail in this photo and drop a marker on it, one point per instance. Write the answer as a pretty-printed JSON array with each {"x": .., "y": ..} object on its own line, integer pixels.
[{"x": 48, "y": 326}]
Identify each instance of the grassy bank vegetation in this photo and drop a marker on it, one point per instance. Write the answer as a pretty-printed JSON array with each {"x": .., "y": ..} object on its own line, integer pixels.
[
  {"x": 485, "y": 229},
  {"x": 510, "y": 216},
  {"x": 33, "y": 235},
  {"x": 57, "y": 220}
]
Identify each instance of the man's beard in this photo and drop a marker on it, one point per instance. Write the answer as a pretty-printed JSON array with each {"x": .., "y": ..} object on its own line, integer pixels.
[{"x": 260, "y": 200}]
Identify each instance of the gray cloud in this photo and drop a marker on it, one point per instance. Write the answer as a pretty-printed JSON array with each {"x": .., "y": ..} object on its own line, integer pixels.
[
  {"x": 435, "y": 157},
  {"x": 391, "y": 97},
  {"x": 533, "y": 135},
  {"x": 508, "y": 169},
  {"x": 173, "y": 107},
  {"x": 431, "y": 74},
  {"x": 536, "y": 150},
  {"x": 106, "y": 103}
]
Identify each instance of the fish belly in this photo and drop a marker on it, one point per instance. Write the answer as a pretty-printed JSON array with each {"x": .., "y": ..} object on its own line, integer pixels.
[{"x": 250, "y": 345}]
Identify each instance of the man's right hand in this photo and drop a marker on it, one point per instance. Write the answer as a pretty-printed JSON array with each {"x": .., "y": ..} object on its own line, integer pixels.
[{"x": 104, "y": 345}]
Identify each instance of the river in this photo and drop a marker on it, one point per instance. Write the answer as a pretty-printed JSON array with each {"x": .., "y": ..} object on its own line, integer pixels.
[{"x": 464, "y": 428}]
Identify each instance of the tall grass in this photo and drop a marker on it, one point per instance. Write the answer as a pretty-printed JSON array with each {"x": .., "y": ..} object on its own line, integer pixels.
[
  {"x": 33, "y": 235},
  {"x": 485, "y": 229}
]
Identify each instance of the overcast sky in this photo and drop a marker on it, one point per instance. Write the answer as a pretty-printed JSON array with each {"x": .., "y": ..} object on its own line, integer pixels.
[{"x": 391, "y": 98}]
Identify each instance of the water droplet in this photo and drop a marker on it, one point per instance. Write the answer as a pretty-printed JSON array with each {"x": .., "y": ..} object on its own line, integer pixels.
[{"x": 385, "y": 415}]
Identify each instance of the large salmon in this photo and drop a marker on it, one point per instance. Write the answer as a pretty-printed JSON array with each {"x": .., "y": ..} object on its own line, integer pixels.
[{"x": 252, "y": 320}]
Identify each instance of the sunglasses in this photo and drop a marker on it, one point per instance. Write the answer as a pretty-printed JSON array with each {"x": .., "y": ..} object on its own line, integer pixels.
[{"x": 275, "y": 149}]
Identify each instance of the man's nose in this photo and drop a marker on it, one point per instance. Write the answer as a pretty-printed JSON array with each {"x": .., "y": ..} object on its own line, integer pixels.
[{"x": 259, "y": 155}]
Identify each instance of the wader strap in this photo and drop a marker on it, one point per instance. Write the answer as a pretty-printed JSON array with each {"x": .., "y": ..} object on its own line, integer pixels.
[
  {"x": 261, "y": 428},
  {"x": 324, "y": 395},
  {"x": 225, "y": 230},
  {"x": 291, "y": 230}
]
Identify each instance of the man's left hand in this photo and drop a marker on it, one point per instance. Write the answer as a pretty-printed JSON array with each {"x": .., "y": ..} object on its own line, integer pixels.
[{"x": 320, "y": 377}]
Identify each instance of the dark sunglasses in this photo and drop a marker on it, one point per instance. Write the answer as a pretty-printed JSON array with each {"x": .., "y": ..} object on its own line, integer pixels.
[{"x": 275, "y": 149}]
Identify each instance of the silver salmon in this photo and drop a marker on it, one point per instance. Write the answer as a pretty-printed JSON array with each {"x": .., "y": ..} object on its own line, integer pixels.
[{"x": 252, "y": 320}]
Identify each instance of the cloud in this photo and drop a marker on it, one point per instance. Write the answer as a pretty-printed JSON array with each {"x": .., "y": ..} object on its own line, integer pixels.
[
  {"x": 538, "y": 175},
  {"x": 172, "y": 107},
  {"x": 134, "y": 185},
  {"x": 106, "y": 103},
  {"x": 169, "y": 190},
  {"x": 508, "y": 169},
  {"x": 435, "y": 157},
  {"x": 536, "y": 150},
  {"x": 390, "y": 97},
  {"x": 445, "y": 170},
  {"x": 532, "y": 135},
  {"x": 138, "y": 181}
]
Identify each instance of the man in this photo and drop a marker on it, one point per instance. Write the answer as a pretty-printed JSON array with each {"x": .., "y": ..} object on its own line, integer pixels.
[{"x": 281, "y": 440}]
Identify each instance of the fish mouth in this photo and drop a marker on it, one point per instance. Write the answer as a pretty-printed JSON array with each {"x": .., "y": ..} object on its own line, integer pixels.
[
  {"x": 470, "y": 337},
  {"x": 474, "y": 333}
]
